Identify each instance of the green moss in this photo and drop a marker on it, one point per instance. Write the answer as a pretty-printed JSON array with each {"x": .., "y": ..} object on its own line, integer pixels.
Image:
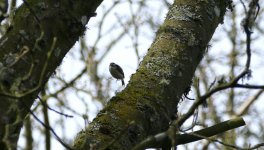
[{"x": 80, "y": 140}]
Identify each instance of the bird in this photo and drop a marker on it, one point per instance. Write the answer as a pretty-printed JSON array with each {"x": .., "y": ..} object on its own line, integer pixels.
[{"x": 117, "y": 72}]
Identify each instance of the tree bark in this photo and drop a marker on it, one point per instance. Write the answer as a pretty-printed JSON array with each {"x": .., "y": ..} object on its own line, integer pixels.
[
  {"x": 41, "y": 34},
  {"x": 146, "y": 105}
]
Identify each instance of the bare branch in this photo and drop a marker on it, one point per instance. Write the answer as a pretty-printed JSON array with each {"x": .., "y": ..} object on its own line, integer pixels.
[
  {"x": 245, "y": 106},
  {"x": 160, "y": 139}
]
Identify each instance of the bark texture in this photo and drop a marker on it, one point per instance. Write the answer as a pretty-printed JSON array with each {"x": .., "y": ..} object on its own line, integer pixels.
[
  {"x": 41, "y": 33},
  {"x": 146, "y": 105}
]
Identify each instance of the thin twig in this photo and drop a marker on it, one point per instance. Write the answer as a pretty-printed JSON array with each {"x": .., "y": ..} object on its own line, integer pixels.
[
  {"x": 49, "y": 128},
  {"x": 244, "y": 6},
  {"x": 60, "y": 113}
]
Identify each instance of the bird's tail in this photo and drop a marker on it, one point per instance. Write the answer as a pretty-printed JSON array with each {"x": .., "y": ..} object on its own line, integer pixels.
[{"x": 123, "y": 83}]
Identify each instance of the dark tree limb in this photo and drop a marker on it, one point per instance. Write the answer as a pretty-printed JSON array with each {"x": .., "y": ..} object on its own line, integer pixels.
[{"x": 41, "y": 34}]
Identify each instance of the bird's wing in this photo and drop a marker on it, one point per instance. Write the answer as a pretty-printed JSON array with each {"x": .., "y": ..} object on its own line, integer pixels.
[{"x": 120, "y": 70}]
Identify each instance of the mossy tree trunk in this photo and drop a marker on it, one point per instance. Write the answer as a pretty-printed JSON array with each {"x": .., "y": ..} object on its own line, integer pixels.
[
  {"x": 146, "y": 105},
  {"x": 41, "y": 33}
]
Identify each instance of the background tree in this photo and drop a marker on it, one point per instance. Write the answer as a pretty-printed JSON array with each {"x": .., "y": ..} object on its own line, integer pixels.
[{"x": 83, "y": 81}]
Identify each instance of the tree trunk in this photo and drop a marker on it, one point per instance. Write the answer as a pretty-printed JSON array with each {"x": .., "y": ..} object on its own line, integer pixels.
[{"x": 145, "y": 107}]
